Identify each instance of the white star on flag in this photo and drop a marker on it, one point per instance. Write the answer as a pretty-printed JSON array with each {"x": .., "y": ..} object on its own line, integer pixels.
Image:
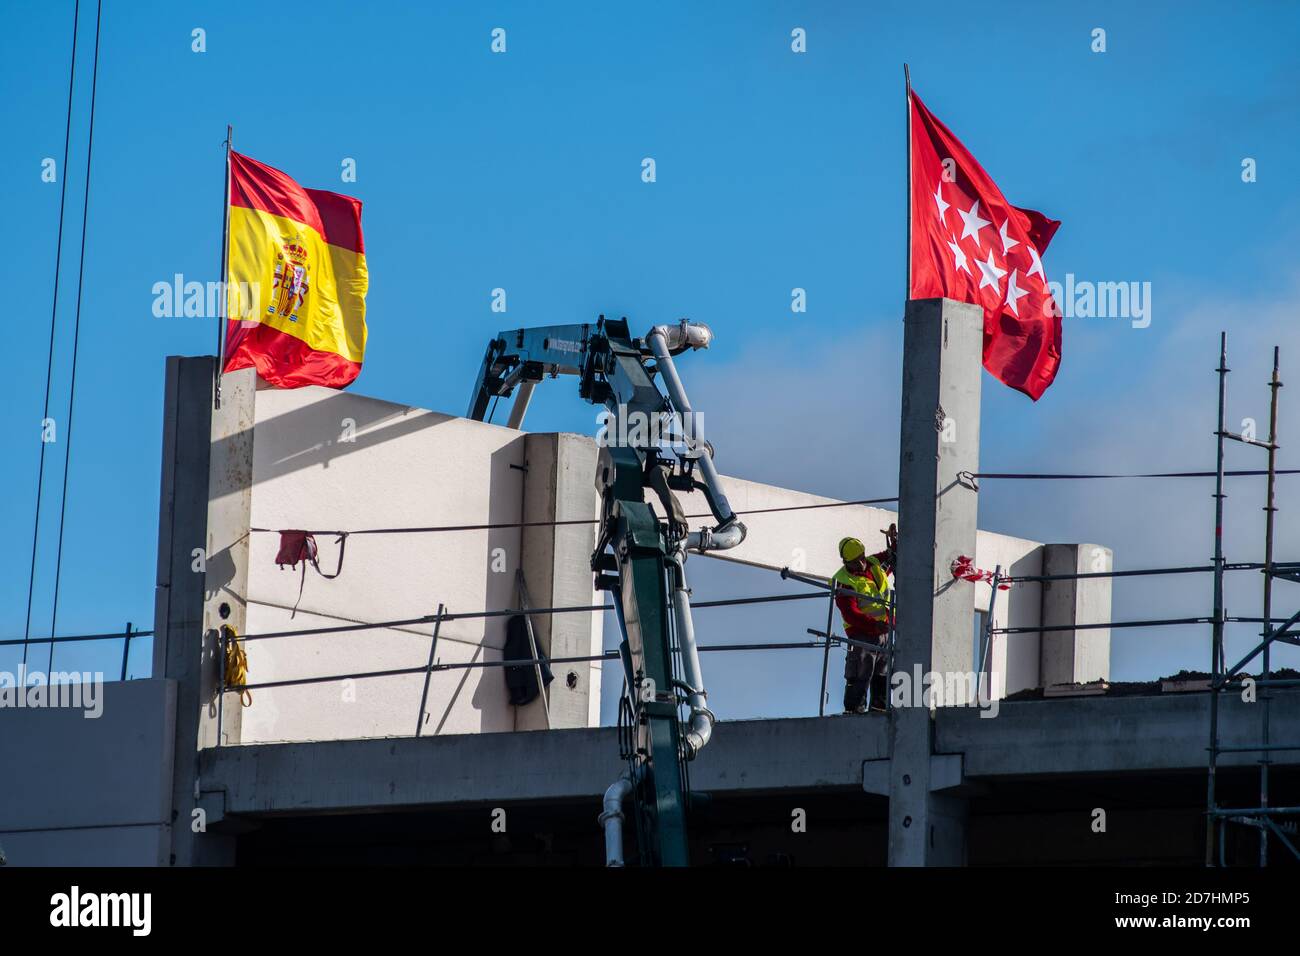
[
  {"x": 1007, "y": 242},
  {"x": 972, "y": 222},
  {"x": 1013, "y": 292},
  {"x": 1037, "y": 266},
  {"x": 958, "y": 257},
  {"x": 991, "y": 273},
  {"x": 938, "y": 201}
]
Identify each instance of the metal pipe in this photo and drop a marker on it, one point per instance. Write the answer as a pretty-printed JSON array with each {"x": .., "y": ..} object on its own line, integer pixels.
[
  {"x": 479, "y": 665},
  {"x": 1257, "y": 812},
  {"x": 722, "y": 538},
  {"x": 126, "y": 649},
  {"x": 428, "y": 672},
  {"x": 986, "y": 645},
  {"x": 611, "y": 818},
  {"x": 532, "y": 642},
  {"x": 1258, "y": 749},
  {"x": 520, "y": 406},
  {"x": 1162, "y": 622},
  {"x": 221, "y": 681},
  {"x": 1269, "y": 636},
  {"x": 826, "y": 653},
  {"x": 700, "y": 726},
  {"x": 115, "y": 636},
  {"x": 730, "y": 532},
  {"x": 225, "y": 276}
]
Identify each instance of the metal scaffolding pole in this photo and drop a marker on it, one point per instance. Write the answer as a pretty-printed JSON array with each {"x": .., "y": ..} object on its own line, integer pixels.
[
  {"x": 1216, "y": 632},
  {"x": 1269, "y": 511},
  {"x": 1217, "y": 817}
]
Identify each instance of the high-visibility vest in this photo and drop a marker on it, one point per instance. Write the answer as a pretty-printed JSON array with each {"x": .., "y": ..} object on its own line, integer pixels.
[{"x": 874, "y": 584}]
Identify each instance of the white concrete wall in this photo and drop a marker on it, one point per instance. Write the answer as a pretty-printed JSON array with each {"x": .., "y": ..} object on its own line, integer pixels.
[{"x": 405, "y": 467}]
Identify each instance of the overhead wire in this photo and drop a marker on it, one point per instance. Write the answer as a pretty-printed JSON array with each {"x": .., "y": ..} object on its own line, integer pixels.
[
  {"x": 76, "y": 336},
  {"x": 54, "y": 312}
]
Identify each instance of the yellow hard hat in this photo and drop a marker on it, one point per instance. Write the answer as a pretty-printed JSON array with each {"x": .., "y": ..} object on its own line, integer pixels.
[{"x": 851, "y": 549}]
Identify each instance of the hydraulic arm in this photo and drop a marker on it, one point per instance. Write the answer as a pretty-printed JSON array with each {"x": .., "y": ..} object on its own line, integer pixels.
[{"x": 653, "y": 442}]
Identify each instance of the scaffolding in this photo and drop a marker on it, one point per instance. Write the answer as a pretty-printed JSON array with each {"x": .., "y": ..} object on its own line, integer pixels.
[{"x": 1263, "y": 817}]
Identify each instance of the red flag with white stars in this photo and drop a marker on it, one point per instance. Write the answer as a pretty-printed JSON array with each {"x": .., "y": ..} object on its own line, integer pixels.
[{"x": 970, "y": 244}]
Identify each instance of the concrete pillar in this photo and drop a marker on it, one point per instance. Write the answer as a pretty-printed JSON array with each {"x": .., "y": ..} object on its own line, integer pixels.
[
  {"x": 230, "y": 497},
  {"x": 558, "y": 486},
  {"x": 1068, "y": 657},
  {"x": 939, "y": 437},
  {"x": 183, "y": 650}
]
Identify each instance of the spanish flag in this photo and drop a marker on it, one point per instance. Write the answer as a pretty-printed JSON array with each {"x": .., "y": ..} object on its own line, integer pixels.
[{"x": 296, "y": 298}]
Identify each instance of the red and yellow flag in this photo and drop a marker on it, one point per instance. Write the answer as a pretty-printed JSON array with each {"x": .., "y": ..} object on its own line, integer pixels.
[{"x": 296, "y": 298}]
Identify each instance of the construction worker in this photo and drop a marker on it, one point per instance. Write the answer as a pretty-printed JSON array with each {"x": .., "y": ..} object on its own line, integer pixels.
[{"x": 866, "y": 619}]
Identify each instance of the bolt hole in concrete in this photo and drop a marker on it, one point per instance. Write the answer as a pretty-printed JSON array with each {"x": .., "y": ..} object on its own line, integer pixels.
[
  {"x": 224, "y": 610},
  {"x": 571, "y": 680}
]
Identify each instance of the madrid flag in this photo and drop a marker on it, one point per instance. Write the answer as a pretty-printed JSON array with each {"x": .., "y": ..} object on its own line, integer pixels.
[
  {"x": 970, "y": 244},
  {"x": 296, "y": 298}
]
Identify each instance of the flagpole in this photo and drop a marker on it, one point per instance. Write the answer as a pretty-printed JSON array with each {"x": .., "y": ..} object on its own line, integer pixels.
[
  {"x": 224, "y": 278},
  {"x": 907, "y": 258}
]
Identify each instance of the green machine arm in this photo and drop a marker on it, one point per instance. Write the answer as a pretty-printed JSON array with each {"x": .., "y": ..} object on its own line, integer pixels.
[{"x": 639, "y": 555}]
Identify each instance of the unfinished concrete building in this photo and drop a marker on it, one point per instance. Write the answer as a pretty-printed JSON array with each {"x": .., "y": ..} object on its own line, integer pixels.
[{"x": 424, "y": 759}]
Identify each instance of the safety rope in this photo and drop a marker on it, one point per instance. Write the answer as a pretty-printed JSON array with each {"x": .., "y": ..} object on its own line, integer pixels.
[
  {"x": 969, "y": 478},
  {"x": 500, "y": 525}
]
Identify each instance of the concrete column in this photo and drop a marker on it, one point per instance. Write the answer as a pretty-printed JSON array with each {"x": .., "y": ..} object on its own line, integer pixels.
[
  {"x": 556, "y": 559},
  {"x": 939, "y": 437},
  {"x": 183, "y": 651},
  {"x": 230, "y": 497},
  {"x": 1068, "y": 657}
]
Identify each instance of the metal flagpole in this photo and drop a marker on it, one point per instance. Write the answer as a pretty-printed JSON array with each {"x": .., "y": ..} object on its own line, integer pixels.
[
  {"x": 907, "y": 259},
  {"x": 224, "y": 277}
]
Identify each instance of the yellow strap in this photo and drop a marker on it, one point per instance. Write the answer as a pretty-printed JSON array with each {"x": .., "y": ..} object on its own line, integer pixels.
[{"x": 236, "y": 664}]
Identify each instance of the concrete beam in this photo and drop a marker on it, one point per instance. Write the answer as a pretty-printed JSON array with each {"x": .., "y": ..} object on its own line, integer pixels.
[
  {"x": 748, "y": 756},
  {"x": 1103, "y": 736},
  {"x": 1110, "y": 734}
]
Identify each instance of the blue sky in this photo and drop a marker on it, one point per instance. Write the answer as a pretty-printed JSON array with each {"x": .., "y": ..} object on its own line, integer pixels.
[{"x": 775, "y": 170}]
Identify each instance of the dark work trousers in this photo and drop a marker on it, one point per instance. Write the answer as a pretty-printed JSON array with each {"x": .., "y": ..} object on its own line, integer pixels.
[{"x": 863, "y": 669}]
